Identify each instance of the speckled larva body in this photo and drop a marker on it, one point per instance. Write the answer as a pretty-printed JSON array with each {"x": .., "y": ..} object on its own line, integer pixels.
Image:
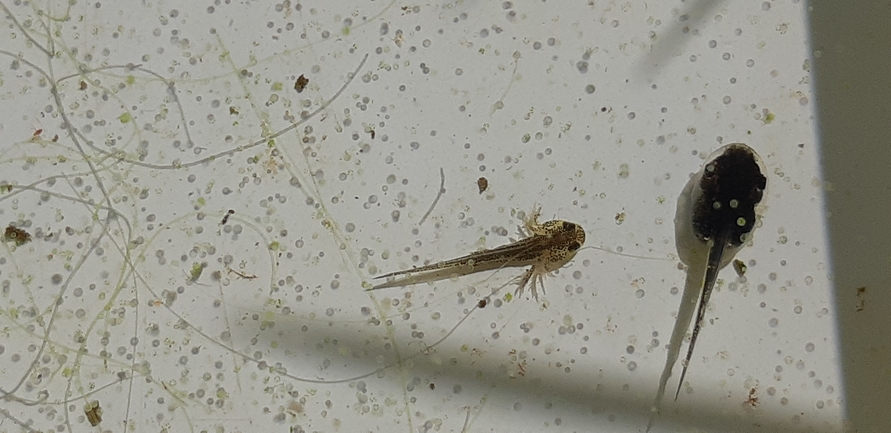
[{"x": 546, "y": 247}]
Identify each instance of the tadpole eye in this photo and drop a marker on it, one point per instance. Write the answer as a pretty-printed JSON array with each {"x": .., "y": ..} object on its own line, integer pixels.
[
  {"x": 568, "y": 227},
  {"x": 574, "y": 246}
]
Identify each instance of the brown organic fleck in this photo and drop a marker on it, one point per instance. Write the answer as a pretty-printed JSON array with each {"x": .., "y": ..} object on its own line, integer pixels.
[
  {"x": 226, "y": 217},
  {"x": 752, "y": 400},
  {"x": 93, "y": 412},
  {"x": 17, "y": 235},
  {"x": 739, "y": 267},
  {"x": 301, "y": 83},
  {"x": 483, "y": 184}
]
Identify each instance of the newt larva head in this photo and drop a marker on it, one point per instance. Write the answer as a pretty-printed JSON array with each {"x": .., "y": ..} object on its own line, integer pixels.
[
  {"x": 565, "y": 238},
  {"x": 721, "y": 201},
  {"x": 576, "y": 235},
  {"x": 568, "y": 235}
]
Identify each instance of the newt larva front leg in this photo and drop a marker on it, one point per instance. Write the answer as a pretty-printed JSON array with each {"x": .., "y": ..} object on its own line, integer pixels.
[
  {"x": 716, "y": 214},
  {"x": 547, "y": 247}
]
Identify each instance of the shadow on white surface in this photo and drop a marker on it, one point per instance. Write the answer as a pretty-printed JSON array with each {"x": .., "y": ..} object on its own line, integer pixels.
[{"x": 190, "y": 293}]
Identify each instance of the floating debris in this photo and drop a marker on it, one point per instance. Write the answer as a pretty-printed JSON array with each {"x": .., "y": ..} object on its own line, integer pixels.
[
  {"x": 301, "y": 83},
  {"x": 17, "y": 235}
]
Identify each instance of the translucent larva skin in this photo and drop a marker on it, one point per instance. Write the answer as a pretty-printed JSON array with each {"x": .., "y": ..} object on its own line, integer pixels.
[
  {"x": 717, "y": 212},
  {"x": 545, "y": 248}
]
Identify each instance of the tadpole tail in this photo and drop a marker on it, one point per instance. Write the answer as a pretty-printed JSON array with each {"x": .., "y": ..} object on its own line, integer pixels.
[
  {"x": 715, "y": 255},
  {"x": 692, "y": 287}
]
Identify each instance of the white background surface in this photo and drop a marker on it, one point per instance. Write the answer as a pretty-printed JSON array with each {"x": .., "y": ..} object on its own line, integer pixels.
[{"x": 168, "y": 104}]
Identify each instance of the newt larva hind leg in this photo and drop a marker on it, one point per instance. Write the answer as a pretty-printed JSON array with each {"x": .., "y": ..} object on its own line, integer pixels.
[
  {"x": 717, "y": 212},
  {"x": 523, "y": 280}
]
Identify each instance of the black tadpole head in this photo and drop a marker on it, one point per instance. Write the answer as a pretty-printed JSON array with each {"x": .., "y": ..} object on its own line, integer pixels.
[{"x": 732, "y": 185}]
